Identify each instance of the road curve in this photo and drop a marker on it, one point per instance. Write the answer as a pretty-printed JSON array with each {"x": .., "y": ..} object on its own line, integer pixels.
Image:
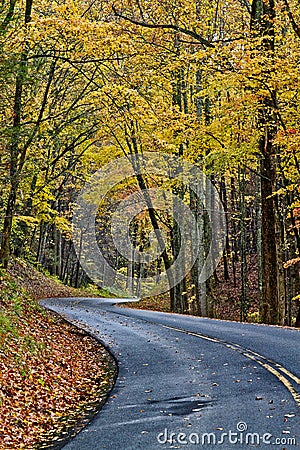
[{"x": 188, "y": 382}]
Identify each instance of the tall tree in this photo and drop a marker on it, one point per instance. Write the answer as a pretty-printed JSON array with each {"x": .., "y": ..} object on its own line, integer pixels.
[
  {"x": 16, "y": 150},
  {"x": 262, "y": 25}
]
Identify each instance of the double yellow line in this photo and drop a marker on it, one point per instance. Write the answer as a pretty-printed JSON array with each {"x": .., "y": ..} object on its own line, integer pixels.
[{"x": 276, "y": 369}]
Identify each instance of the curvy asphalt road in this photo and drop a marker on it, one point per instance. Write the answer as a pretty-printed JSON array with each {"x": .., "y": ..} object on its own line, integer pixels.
[{"x": 187, "y": 382}]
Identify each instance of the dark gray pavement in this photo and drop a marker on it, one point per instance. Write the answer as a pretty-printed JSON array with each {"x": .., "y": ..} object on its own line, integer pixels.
[{"x": 187, "y": 382}]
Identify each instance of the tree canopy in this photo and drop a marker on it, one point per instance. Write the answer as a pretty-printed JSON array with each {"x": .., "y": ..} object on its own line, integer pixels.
[{"x": 216, "y": 82}]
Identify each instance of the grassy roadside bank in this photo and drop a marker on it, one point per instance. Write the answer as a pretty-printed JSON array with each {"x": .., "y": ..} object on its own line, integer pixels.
[{"x": 52, "y": 375}]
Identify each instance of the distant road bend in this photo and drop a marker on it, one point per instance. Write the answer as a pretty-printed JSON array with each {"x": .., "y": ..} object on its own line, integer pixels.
[{"x": 189, "y": 382}]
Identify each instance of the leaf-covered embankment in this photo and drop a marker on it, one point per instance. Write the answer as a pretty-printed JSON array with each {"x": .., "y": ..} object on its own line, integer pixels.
[{"x": 53, "y": 375}]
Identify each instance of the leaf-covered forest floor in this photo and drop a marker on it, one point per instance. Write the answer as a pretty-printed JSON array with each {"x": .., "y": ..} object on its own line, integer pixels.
[
  {"x": 226, "y": 295},
  {"x": 53, "y": 376},
  {"x": 40, "y": 286}
]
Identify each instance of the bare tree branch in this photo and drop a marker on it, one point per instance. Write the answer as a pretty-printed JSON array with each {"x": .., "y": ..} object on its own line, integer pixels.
[
  {"x": 246, "y": 4},
  {"x": 9, "y": 15},
  {"x": 292, "y": 20},
  {"x": 185, "y": 31}
]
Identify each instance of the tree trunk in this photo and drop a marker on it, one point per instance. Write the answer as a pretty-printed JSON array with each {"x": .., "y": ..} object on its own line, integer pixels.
[
  {"x": 297, "y": 324},
  {"x": 270, "y": 301},
  {"x": 259, "y": 241},
  {"x": 262, "y": 24},
  {"x": 244, "y": 275},
  {"x": 227, "y": 246},
  {"x": 17, "y": 157},
  {"x": 7, "y": 227}
]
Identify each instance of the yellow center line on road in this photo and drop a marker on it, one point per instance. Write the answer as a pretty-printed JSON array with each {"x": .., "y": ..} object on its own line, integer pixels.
[
  {"x": 278, "y": 366},
  {"x": 259, "y": 359},
  {"x": 278, "y": 375}
]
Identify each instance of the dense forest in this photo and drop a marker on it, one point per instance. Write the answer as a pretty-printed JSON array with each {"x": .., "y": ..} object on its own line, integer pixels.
[{"x": 213, "y": 82}]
